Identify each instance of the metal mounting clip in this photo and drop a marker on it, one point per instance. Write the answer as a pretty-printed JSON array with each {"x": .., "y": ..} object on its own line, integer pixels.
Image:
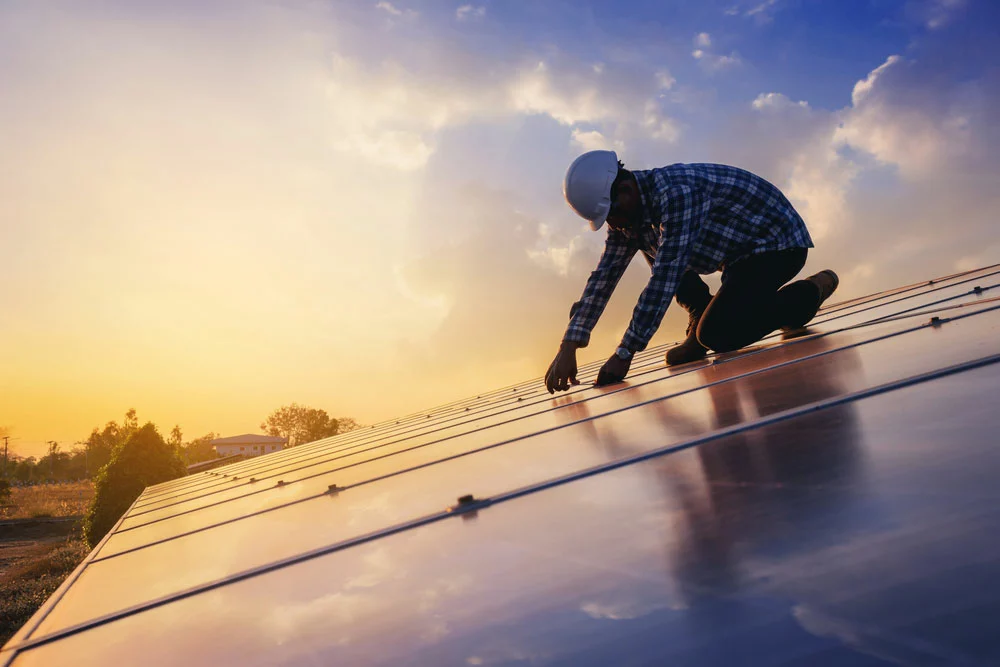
[{"x": 468, "y": 506}]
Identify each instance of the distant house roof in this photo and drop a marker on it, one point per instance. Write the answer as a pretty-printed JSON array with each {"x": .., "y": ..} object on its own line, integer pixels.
[{"x": 250, "y": 439}]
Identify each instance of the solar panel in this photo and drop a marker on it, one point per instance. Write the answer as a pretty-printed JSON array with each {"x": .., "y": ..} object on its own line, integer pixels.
[{"x": 812, "y": 500}]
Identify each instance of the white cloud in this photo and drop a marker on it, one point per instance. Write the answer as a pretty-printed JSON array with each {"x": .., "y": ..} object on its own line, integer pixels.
[
  {"x": 817, "y": 186},
  {"x": 385, "y": 117},
  {"x": 715, "y": 62},
  {"x": 939, "y": 13},
  {"x": 913, "y": 136},
  {"x": 573, "y": 95},
  {"x": 395, "y": 12},
  {"x": 469, "y": 12},
  {"x": 711, "y": 61},
  {"x": 624, "y": 610},
  {"x": 863, "y": 87},
  {"x": 776, "y": 101},
  {"x": 391, "y": 110},
  {"x": 657, "y": 125},
  {"x": 389, "y": 8},
  {"x": 590, "y": 140},
  {"x": 762, "y": 12}
]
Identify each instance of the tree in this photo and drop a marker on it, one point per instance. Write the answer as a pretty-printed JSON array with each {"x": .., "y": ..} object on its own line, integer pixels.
[
  {"x": 300, "y": 424},
  {"x": 142, "y": 460},
  {"x": 131, "y": 423},
  {"x": 200, "y": 449},
  {"x": 101, "y": 444},
  {"x": 345, "y": 424},
  {"x": 25, "y": 469}
]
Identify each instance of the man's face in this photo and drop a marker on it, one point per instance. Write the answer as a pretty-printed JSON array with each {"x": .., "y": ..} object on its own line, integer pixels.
[{"x": 625, "y": 203}]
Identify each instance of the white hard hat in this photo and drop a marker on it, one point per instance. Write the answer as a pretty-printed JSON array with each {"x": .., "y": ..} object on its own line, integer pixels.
[{"x": 588, "y": 185}]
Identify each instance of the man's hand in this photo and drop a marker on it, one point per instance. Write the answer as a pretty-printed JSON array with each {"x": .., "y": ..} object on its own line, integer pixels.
[
  {"x": 614, "y": 370},
  {"x": 562, "y": 371}
]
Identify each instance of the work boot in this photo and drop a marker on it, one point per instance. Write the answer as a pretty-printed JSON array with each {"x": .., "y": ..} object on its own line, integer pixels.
[
  {"x": 827, "y": 282},
  {"x": 693, "y": 296},
  {"x": 790, "y": 333},
  {"x": 690, "y": 349}
]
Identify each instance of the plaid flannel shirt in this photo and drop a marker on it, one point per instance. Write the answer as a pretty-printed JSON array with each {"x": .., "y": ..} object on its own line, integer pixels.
[{"x": 701, "y": 217}]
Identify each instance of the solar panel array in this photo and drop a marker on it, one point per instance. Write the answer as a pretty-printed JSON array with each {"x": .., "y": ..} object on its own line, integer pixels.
[{"x": 815, "y": 500}]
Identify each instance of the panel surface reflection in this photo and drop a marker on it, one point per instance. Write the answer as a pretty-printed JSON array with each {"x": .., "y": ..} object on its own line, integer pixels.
[{"x": 866, "y": 532}]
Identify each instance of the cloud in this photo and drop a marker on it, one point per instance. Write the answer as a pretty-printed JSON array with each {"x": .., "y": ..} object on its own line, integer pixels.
[
  {"x": 591, "y": 140},
  {"x": 907, "y": 124},
  {"x": 936, "y": 14},
  {"x": 760, "y": 12},
  {"x": 792, "y": 145},
  {"x": 763, "y": 10},
  {"x": 863, "y": 87},
  {"x": 392, "y": 10},
  {"x": 624, "y": 610},
  {"x": 470, "y": 12},
  {"x": 573, "y": 94},
  {"x": 401, "y": 181},
  {"x": 391, "y": 109},
  {"x": 389, "y": 7},
  {"x": 893, "y": 186},
  {"x": 776, "y": 102},
  {"x": 711, "y": 61}
]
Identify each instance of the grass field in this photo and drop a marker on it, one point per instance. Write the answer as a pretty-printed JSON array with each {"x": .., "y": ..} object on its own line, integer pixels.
[
  {"x": 48, "y": 500},
  {"x": 37, "y": 549}
]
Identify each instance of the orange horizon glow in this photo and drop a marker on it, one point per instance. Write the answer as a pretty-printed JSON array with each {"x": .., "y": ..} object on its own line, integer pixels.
[{"x": 210, "y": 212}]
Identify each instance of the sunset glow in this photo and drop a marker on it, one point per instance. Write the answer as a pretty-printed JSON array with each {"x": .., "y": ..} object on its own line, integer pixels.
[{"x": 210, "y": 210}]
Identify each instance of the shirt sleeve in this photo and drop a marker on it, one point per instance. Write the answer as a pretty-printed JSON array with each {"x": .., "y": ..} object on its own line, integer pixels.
[
  {"x": 618, "y": 252},
  {"x": 685, "y": 209}
]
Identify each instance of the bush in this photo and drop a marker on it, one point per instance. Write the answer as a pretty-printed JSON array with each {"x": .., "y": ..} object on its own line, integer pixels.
[
  {"x": 142, "y": 460},
  {"x": 4, "y": 490}
]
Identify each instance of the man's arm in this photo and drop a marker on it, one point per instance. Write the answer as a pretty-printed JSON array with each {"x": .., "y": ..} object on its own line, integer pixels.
[
  {"x": 584, "y": 314},
  {"x": 618, "y": 252},
  {"x": 685, "y": 210}
]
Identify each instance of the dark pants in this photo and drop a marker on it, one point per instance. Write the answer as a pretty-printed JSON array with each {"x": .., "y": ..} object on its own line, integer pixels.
[{"x": 751, "y": 302}]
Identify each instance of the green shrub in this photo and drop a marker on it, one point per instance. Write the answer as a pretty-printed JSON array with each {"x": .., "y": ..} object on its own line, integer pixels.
[{"x": 142, "y": 460}]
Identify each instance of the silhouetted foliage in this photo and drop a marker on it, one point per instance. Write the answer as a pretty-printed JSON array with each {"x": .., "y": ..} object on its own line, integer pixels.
[
  {"x": 4, "y": 490},
  {"x": 345, "y": 424},
  {"x": 53, "y": 467},
  {"x": 142, "y": 460},
  {"x": 301, "y": 424},
  {"x": 199, "y": 449},
  {"x": 101, "y": 444}
]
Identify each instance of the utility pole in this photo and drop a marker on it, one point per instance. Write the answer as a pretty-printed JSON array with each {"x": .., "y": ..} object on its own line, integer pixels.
[
  {"x": 5, "y": 439},
  {"x": 53, "y": 447}
]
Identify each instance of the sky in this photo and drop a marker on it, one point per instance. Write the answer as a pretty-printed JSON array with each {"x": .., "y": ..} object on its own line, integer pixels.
[{"x": 212, "y": 209}]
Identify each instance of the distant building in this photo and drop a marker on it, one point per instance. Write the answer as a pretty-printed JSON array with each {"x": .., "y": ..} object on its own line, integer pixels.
[{"x": 248, "y": 445}]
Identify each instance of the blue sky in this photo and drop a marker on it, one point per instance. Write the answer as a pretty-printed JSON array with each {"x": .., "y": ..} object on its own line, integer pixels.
[{"x": 210, "y": 209}]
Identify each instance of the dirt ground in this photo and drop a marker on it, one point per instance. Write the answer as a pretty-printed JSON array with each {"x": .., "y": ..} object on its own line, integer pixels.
[
  {"x": 36, "y": 555},
  {"x": 28, "y": 539}
]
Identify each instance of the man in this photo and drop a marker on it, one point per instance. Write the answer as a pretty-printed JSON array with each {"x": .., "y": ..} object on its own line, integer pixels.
[{"x": 688, "y": 219}]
